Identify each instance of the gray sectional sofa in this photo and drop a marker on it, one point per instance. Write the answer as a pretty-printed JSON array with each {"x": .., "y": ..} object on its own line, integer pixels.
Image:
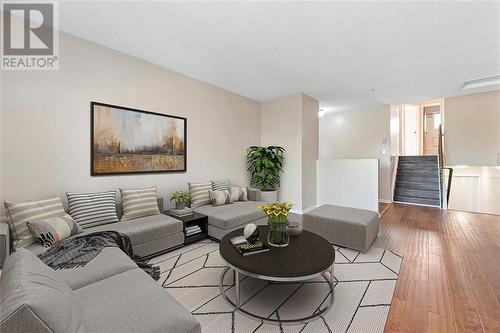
[
  {"x": 109, "y": 294},
  {"x": 226, "y": 218},
  {"x": 149, "y": 235}
]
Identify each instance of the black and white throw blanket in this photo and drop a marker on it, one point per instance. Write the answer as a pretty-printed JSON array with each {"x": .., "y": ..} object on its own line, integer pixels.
[{"x": 79, "y": 250}]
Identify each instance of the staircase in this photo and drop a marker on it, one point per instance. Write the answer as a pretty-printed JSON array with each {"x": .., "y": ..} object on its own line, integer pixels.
[{"x": 417, "y": 180}]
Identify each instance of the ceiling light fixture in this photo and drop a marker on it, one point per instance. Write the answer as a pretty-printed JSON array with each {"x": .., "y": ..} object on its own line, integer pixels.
[
  {"x": 321, "y": 113},
  {"x": 482, "y": 82}
]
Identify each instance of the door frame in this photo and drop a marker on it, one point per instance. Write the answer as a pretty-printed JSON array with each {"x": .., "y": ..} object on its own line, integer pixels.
[{"x": 439, "y": 103}]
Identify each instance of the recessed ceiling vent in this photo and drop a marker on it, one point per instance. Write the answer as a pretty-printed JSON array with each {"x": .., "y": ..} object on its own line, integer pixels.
[{"x": 482, "y": 82}]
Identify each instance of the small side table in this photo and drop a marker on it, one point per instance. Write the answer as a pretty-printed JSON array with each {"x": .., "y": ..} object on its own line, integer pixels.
[{"x": 191, "y": 220}]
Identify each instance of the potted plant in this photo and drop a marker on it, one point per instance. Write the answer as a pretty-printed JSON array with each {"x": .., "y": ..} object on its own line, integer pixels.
[
  {"x": 180, "y": 198},
  {"x": 265, "y": 165},
  {"x": 277, "y": 214}
]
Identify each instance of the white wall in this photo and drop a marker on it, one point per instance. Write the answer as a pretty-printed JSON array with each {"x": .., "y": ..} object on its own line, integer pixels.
[
  {"x": 45, "y": 128},
  {"x": 348, "y": 182},
  {"x": 475, "y": 189},
  {"x": 362, "y": 134},
  {"x": 292, "y": 122},
  {"x": 472, "y": 129}
]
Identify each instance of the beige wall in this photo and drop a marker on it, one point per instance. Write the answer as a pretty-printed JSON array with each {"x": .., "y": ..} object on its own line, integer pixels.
[
  {"x": 362, "y": 134},
  {"x": 310, "y": 150},
  {"x": 45, "y": 127},
  {"x": 472, "y": 129},
  {"x": 291, "y": 122},
  {"x": 280, "y": 126}
]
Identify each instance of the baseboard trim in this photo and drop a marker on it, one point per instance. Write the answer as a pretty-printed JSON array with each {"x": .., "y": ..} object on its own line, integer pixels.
[
  {"x": 416, "y": 204},
  {"x": 303, "y": 211}
]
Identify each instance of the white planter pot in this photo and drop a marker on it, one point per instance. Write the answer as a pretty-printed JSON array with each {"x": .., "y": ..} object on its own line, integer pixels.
[{"x": 269, "y": 196}]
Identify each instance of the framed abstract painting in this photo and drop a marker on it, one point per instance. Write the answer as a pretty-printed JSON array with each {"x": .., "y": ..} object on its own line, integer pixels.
[{"x": 130, "y": 141}]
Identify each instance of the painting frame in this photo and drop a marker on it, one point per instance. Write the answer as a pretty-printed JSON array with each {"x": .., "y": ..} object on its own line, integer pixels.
[{"x": 93, "y": 172}]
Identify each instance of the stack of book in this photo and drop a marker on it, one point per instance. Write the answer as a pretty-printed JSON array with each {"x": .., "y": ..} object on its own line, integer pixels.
[
  {"x": 247, "y": 249},
  {"x": 181, "y": 212},
  {"x": 193, "y": 230}
]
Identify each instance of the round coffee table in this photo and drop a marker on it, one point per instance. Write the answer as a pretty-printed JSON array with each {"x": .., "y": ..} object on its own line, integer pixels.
[{"x": 306, "y": 257}]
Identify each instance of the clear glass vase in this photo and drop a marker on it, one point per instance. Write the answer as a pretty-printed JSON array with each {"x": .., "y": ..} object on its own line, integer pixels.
[{"x": 278, "y": 233}]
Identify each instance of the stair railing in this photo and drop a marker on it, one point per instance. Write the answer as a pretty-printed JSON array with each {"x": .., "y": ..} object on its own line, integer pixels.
[{"x": 442, "y": 168}]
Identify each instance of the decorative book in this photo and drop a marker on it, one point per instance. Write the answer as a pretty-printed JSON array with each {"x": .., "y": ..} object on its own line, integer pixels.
[{"x": 247, "y": 249}]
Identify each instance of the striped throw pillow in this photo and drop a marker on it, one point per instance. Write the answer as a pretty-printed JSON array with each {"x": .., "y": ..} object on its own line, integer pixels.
[
  {"x": 93, "y": 209},
  {"x": 54, "y": 229},
  {"x": 139, "y": 202},
  {"x": 21, "y": 212},
  {"x": 199, "y": 193},
  {"x": 221, "y": 185}
]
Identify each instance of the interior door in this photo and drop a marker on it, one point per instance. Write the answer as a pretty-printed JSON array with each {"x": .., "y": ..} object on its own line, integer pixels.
[
  {"x": 432, "y": 120},
  {"x": 411, "y": 130}
]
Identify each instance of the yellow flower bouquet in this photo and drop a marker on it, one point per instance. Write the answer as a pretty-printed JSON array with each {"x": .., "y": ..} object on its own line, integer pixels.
[{"x": 277, "y": 214}]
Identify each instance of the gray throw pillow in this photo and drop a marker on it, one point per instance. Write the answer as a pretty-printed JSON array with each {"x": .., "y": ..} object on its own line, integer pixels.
[
  {"x": 239, "y": 193},
  {"x": 54, "y": 229},
  {"x": 219, "y": 198}
]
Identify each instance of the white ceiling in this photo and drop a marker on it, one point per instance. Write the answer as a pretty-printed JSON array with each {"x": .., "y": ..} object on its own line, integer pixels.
[{"x": 345, "y": 54}]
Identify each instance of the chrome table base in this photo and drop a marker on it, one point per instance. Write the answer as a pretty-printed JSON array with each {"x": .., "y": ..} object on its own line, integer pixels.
[{"x": 237, "y": 304}]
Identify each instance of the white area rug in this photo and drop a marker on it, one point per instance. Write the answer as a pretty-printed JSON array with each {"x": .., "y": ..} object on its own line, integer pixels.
[{"x": 363, "y": 292}]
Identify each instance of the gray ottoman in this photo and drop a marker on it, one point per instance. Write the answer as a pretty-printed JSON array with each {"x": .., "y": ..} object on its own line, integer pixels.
[{"x": 348, "y": 227}]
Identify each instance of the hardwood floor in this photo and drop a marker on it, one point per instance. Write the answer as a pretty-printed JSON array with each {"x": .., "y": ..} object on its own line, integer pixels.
[{"x": 450, "y": 276}]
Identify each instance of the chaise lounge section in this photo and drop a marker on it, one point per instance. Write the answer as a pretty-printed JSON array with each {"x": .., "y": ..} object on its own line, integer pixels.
[{"x": 226, "y": 218}]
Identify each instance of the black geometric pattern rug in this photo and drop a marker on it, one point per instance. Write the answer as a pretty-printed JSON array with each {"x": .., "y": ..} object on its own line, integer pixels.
[{"x": 364, "y": 286}]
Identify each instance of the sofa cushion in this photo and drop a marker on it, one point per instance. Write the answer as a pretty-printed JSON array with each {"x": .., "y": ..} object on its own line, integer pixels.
[
  {"x": 50, "y": 231},
  {"x": 93, "y": 209},
  {"x": 139, "y": 203},
  {"x": 199, "y": 193},
  {"x": 239, "y": 194},
  {"x": 221, "y": 185},
  {"x": 110, "y": 261},
  {"x": 137, "y": 303},
  {"x": 33, "y": 299},
  {"x": 230, "y": 216},
  {"x": 144, "y": 229},
  {"x": 219, "y": 198},
  {"x": 21, "y": 212}
]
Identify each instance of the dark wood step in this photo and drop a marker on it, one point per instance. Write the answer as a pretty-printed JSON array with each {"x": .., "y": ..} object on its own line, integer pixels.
[
  {"x": 418, "y": 172},
  {"x": 417, "y": 185},
  {"x": 430, "y": 202},
  {"x": 419, "y": 179},
  {"x": 418, "y": 158},
  {"x": 407, "y": 165},
  {"x": 425, "y": 194}
]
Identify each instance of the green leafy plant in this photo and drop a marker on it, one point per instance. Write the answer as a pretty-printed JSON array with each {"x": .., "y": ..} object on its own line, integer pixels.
[
  {"x": 180, "y": 196},
  {"x": 265, "y": 165}
]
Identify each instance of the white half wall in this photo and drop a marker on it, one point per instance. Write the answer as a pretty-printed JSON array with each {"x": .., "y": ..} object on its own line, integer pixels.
[
  {"x": 348, "y": 182},
  {"x": 359, "y": 134},
  {"x": 475, "y": 189},
  {"x": 45, "y": 127}
]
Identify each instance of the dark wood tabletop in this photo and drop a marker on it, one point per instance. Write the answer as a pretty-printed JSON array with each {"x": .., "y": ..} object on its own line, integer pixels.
[{"x": 306, "y": 254}]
